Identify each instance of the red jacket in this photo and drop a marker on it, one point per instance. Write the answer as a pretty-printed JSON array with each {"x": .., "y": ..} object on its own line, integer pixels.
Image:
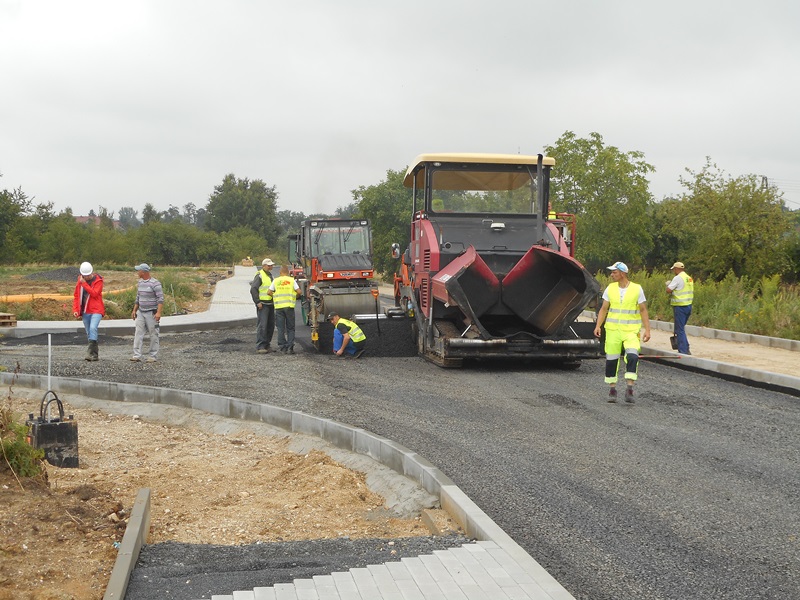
[{"x": 88, "y": 297}]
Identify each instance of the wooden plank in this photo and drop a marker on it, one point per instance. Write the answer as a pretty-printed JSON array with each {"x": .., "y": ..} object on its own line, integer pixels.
[{"x": 8, "y": 320}]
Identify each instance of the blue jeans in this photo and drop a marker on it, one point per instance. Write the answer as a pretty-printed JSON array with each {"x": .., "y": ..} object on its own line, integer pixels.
[
  {"x": 90, "y": 322},
  {"x": 681, "y": 315},
  {"x": 338, "y": 338}
]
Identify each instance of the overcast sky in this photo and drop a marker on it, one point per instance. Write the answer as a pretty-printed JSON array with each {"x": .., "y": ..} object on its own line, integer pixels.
[{"x": 110, "y": 103}]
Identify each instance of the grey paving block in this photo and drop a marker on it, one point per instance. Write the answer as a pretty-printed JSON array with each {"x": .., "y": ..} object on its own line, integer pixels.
[
  {"x": 344, "y": 582},
  {"x": 339, "y": 434},
  {"x": 383, "y": 579},
  {"x": 365, "y": 583},
  {"x": 216, "y": 405},
  {"x": 308, "y": 424},
  {"x": 437, "y": 569},
  {"x": 264, "y": 593},
  {"x": 307, "y": 594},
  {"x": 457, "y": 571},
  {"x": 244, "y": 595},
  {"x": 418, "y": 571},
  {"x": 279, "y": 417},
  {"x": 410, "y": 590},
  {"x": 451, "y": 590},
  {"x": 399, "y": 572},
  {"x": 285, "y": 591}
]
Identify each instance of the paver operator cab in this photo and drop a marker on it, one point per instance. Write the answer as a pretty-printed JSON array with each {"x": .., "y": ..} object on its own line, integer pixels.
[{"x": 490, "y": 271}]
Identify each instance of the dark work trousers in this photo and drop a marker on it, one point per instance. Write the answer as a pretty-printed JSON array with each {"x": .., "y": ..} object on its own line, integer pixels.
[
  {"x": 681, "y": 315},
  {"x": 284, "y": 319},
  {"x": 266, "y": 325}
]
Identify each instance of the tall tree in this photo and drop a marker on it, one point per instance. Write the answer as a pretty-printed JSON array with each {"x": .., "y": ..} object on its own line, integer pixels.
[
  {"x": 388, "y": 207},
  {"x": 129, "y": 218},
  {"x": 150, "y": 214},
  {"x": 609, "y": 192},
  {"x": 290, "y": 220},
  {"x": 244, "y": 203},
  {"x": 13, "y": 205},
  {"x": 725, "y": 224}
]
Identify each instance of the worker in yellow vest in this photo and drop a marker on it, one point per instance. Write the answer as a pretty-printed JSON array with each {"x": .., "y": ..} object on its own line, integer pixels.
[
  {"x": 265, "y": 308},
  {"x": 681, "y": 297},
  {"x": 284, "y": 292},
  {"x": 624, "y": 312},
  {"x": 348, "y": 339}
]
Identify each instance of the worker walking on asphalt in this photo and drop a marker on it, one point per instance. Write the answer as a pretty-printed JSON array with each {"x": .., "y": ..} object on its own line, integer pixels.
[
  {"x": 87, "y": 304},
  {"x": 347, "y": 336},
  {"x": 147, "y": 313},
  {"x": 626, "y": 308},
  {"x": 265, "y": 307},
  {"x": 681, "y": 296},
  {"x": 284, "y": 291}
]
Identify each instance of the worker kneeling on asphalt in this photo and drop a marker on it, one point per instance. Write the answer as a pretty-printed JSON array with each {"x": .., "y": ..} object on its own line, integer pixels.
[{"x": 347, "y": 337}]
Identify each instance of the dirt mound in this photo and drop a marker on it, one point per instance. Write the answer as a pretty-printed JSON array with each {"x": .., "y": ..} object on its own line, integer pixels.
[{"x": 232, "y": 489}]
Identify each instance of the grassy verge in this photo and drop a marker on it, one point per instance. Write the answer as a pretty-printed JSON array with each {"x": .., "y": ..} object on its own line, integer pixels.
[{"x": 183, "y": 289}]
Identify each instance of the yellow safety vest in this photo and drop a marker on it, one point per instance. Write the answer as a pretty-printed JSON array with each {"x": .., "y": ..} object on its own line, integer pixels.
[
  {"x": 284, "y": 295},
  {"x": 355, "y": 331},
  {"x": 266, "y": 281},
  {"x": 684, "y": 297},
  {"x": 624, "y": 316}
]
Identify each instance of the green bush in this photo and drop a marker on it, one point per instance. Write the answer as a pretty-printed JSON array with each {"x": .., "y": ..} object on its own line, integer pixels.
[{"x": 17, "y": 453}]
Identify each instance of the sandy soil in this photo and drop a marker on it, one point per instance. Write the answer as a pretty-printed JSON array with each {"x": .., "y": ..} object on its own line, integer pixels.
[
  {"x": 752, "y": 356},
  {"x": 57, "y": 541}
]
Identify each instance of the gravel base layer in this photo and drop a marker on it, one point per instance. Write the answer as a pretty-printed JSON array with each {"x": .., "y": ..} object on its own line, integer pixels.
[
  {"x": 185, "y": 571},
  {"x": 690, "y": 493}
]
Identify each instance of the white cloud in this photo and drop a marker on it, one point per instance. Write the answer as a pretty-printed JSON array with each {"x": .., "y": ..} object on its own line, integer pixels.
[{"x": 109, "y": 104}]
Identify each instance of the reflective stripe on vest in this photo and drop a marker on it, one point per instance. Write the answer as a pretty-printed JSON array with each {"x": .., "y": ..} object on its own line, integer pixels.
[
  {"x": 624, "y": 316},
  {"x": 355, "y": 331},
  {"x": 284, "y": 295},
  {"x": 266, "y": 281},
  {"x": 685, "y": 296}
]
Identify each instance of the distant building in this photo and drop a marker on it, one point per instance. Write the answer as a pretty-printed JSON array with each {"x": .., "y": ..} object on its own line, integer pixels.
[{"x": 96, "y": 221}]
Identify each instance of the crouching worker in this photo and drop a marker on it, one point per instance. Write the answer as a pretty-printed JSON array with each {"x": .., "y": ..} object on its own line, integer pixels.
[{"x": 347, "y": 337}]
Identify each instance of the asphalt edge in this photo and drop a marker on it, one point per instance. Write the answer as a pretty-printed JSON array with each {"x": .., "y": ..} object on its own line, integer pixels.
[
  {"x": 786, "y": 384},
  {"x": 475, "y": 523}
]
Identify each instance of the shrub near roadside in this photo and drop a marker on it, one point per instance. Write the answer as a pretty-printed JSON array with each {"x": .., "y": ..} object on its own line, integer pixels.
[{"x": 17, "y": 454}]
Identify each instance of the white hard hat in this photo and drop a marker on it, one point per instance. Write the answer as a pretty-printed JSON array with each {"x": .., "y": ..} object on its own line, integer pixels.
[{"x": 86, "y": 269}]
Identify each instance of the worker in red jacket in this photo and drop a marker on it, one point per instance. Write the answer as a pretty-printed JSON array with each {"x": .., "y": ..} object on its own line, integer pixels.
[{"x": 88, "y": 305}]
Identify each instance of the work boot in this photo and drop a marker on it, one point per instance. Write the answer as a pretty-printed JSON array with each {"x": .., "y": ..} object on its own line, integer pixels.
[
  {"x": 612, "y": 395},
  {"x": 93, "y": 351},
  {"x": 629, "y": 395}
]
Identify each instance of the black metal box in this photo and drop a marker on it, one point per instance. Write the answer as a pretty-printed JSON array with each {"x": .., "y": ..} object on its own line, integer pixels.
[{"x": 57, "y": 436}]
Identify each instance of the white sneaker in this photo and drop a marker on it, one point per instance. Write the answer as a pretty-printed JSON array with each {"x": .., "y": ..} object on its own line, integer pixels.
[{"x": 150, "y": 359}]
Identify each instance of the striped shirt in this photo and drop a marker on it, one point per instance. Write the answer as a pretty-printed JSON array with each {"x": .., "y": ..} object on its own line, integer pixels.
[{"x": 149, "y": 294}]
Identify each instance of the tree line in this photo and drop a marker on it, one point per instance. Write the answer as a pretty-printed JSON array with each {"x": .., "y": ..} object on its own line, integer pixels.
[{"x": 719, "y": 225}]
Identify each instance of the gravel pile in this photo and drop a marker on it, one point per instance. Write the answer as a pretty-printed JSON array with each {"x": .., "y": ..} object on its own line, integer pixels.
[{"x": 63, "y": 274}]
